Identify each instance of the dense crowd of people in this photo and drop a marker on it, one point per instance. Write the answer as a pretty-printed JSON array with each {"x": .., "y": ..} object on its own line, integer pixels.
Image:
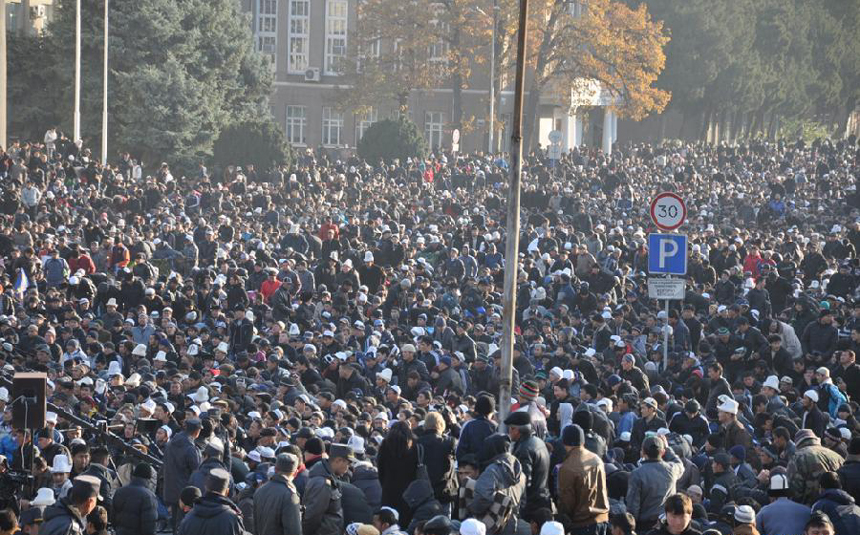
[{"x": 314, "y": 349}]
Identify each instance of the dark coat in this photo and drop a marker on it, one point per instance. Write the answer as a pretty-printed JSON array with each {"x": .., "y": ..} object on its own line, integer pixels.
[
  {"x": 472, "y": 436},
  {"x": 422, "y": 505},
  {"x": 366, "y": 477},
  {"x": 198, "y": 478},
  {"x": 106, "y": 489},
  {"x": 534, "y": 459},
  {"x": 135, "y": 509},
  {"x": 396, "y": 472},
  {"x": 213, "y": 514},
  {"x": 322, "y": 501},
  {"x": 355, "y": 505},
  {"x": 63, "y": 519},
  {"x": 277, "y": 509},
  {"x": 181, "y": 459},
  {"x": 849, "y": 474},
  {"x": 439, "y": 460}
]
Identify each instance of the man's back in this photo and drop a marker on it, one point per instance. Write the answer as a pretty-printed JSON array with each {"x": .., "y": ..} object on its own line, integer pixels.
[
  {"x": 277, "y": 508},
  {"x": 181, "y": 459},
  {"x": 212, "y": 515},
  {"x": 782, "y": 517},
  {"x": 651, "y": 484},
  {"x": 582, "y": 489}
]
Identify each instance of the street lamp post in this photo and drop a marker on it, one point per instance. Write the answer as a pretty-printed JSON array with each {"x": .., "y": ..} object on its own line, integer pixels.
[
  {"x": 492, "y": 126},
  {"x": 492, "y": 136},
  {"x": 77, "y": 118},
  {"x": 105, "y": 92}
]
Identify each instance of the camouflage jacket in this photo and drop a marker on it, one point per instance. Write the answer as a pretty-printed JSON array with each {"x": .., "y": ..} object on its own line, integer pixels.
[{"x": 809, "y": 462}]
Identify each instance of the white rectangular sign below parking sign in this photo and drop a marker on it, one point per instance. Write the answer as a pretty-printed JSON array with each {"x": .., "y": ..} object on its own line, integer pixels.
[{"x": 667, "y": 254}]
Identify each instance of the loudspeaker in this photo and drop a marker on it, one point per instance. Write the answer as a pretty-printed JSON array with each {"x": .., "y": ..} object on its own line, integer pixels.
[{"x": 29, "y": 411}]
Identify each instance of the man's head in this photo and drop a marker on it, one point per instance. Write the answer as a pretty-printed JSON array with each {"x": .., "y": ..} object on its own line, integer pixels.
[
  {"x": 218, "y": 482},
  {"x": 286, "y": 465},
  {"x": 819, "y": 524},
  {"x": 84, "y": 493},
  {"x": 340, "y": 458},
  {"x": 679, "y": 513},
  {"x": 384, "y": 518}
]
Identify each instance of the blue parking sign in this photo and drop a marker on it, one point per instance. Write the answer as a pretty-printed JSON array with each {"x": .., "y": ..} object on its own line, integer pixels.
[{"x": 667, "y": 254}]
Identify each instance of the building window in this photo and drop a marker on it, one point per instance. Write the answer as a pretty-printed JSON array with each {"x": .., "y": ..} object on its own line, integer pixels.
[
  {"x": 296, "y": 121},
  {"x": 267, "y": 27},
  {"x": 438, "y": 50},
  {"x": 332, "y": 126},
  {"x": 433, "y": 124},
  {"x": 299, "y": 35},
  {"x": 369, "y": 53},
  {"x": 337, "y": 12},
  {"x": 363, "y": 122}
]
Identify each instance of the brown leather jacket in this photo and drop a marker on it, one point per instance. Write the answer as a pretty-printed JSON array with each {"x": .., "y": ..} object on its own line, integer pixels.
[
  {"x": 735, "y": 434},
  {"x": 582, "y": 488}
]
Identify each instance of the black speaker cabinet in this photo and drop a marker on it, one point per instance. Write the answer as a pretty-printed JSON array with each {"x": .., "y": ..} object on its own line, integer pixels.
[{"x": 30, "y": 403}]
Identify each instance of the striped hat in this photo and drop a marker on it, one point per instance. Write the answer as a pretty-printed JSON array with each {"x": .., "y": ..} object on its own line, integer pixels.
[{"x": 529, "y": 390}]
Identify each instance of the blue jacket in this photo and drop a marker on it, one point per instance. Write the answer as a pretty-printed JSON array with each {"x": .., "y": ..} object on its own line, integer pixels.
[{"x": 472, "y": 436}]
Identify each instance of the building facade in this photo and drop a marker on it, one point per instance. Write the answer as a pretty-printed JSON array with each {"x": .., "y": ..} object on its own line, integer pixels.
[
  {"x": 305, "y": 40},
  {"x": 28, "y": 16}
]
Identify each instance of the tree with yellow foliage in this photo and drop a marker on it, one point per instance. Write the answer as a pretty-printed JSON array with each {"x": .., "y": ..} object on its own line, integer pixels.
[{"x": 595, "y": 40}]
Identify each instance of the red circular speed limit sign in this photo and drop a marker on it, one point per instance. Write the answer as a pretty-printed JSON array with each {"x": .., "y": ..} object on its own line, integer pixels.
[{"x": 668, "y": 211}]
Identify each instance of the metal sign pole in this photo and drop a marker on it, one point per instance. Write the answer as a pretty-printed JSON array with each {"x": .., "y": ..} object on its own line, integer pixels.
[{"x": 666, "y": 339}]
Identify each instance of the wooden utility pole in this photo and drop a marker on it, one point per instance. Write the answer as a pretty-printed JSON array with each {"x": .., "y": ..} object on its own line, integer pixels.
[{"x": 512, "y": 246}]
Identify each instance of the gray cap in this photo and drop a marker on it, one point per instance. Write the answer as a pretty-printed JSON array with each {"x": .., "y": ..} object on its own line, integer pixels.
[
  {"x": 341, "y": 450},
  {"x": 89, "y": 484},
  {"x": 286, "y": 463},
  {"x": 219, "y": 476}
]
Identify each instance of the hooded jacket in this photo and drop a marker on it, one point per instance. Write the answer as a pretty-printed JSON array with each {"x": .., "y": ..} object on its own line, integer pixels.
[
  {"x": 213, "y": 514},
  {"x": 422, "y": 502},
  {"x": 365, "y": 476},
  {"x": 838, "y": 505},
  {"x": 63, "y": 519},
  {"x": 502, "y": 474}
]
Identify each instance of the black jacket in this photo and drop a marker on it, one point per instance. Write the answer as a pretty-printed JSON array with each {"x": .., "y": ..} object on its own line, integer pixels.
[
  {"x": 213, "y": 514},
  {"x": 135, "y": 509},
  {"x": 849, "y": 475},
  {"x": 534, "y": 459},
  {"x": 277, "y": 509},
  {"x": 355, "y": 505},
  {"x": 439, "y": 460}
]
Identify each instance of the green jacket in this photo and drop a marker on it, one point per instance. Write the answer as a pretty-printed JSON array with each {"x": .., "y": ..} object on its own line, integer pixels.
[{"x": 809, "y": 462}]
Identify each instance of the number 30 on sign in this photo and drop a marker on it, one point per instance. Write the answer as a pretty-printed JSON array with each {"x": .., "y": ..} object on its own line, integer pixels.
[{"x": 668, "y": 211}]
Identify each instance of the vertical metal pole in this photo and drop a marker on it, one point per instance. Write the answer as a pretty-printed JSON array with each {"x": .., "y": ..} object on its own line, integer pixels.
[
  {"x": 105, "y": 92},
  {"x": 3, "y": 73},
  {"x": 76, "y": 134},
  {"x": 512, "y": 247},
  {"x": 492, "y": 137},
  {"x": 666, "y": 339}
]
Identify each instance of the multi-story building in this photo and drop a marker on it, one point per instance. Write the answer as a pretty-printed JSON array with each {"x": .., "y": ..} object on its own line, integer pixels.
[
  {"x": 305, "y": 40},
  {"x": 29, "y": 16}
]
